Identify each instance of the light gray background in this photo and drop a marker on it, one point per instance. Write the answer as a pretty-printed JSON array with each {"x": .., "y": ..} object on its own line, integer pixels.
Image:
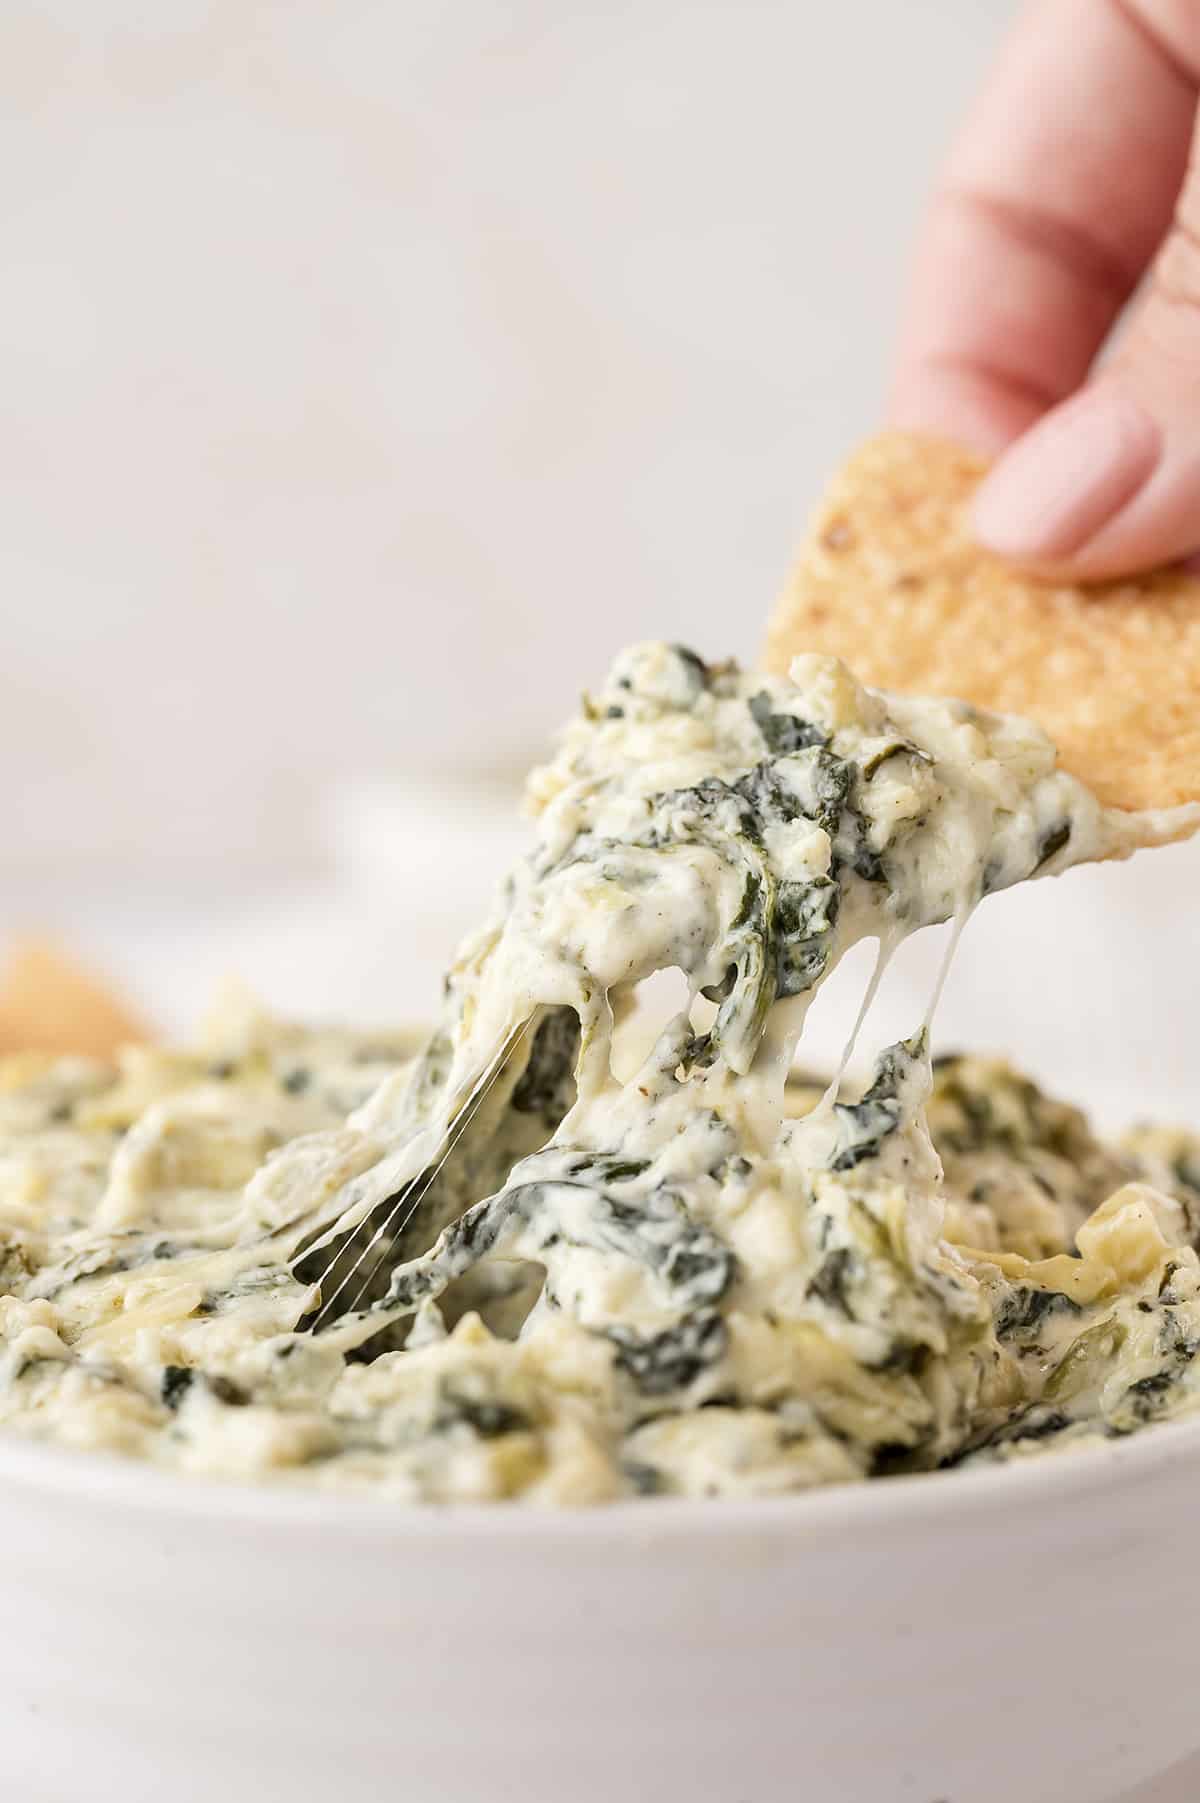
[{"x": 370, "y": 373}]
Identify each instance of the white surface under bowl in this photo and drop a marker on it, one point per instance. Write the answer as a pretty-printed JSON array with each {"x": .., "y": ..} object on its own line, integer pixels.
[{"x": 959, "y": 1638}]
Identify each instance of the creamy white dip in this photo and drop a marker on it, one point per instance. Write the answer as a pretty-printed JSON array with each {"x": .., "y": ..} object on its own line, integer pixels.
[{"x": 511, "y": 1266}]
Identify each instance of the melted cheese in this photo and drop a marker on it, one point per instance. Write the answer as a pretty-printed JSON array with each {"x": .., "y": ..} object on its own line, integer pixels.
[{"x": 519, "y": 1266}]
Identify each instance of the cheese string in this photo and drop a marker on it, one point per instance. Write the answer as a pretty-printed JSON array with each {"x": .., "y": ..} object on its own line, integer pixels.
[
  {"x": 889, "y": 938},
  {"x": 497, "y": 1066},
  {"x": 963, "y": 910},
  {"x": 472, "y": 1103},
  {"x": 889, "y": 941}
]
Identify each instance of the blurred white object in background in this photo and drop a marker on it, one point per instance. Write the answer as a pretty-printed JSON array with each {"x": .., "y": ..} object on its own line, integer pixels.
[
  {"x": 436, "y": 848},
  {"x": 372, "y": 373},
  {"x": 364, "y": 935}
]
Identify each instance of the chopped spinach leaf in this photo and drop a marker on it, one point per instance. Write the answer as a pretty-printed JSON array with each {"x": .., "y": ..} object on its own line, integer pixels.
[
  {"x": 829, "y": 1282},
  {"x": 1051, "y": 842},
  {"x": 783, "y": 733},
  {"x": 663, "y": 1362},
  {"x": 547, "y": 1084},
  {"x": 486, "y": 1416},
  {"x": 1025, "y": 1308},
  {"x": 177, "y": 1380},
  {"x": 864, "y": 1125}
]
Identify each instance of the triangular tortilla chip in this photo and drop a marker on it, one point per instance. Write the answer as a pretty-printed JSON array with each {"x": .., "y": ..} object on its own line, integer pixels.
[{"x": 892, "y": 581}]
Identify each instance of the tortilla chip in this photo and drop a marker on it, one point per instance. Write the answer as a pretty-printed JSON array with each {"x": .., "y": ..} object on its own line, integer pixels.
[
  {"x": 48, "y": 1004},
  {"x": 892, "y": 581}
]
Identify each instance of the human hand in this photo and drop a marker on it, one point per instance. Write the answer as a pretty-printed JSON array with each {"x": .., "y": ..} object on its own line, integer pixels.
[{"x": 1070, "y": 182}]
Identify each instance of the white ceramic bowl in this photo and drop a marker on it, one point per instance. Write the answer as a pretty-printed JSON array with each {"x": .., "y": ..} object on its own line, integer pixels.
[{"x": 978, "y": 1637}]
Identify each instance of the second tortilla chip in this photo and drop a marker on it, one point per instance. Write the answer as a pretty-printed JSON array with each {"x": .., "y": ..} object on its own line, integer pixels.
[
  {"x": 892, "y": 581},
  {"x": 48, "y": 1004}
]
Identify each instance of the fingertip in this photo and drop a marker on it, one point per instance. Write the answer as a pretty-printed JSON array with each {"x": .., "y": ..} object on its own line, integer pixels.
[{"x": 1054, "y": 492}]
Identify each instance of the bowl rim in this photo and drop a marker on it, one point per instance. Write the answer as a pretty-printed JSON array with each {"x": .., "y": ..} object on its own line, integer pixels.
[{"x": 95, "y": 1478}]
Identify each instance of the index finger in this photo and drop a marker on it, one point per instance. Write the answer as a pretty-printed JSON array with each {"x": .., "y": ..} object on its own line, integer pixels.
[{"x": 1051, "y": 205}]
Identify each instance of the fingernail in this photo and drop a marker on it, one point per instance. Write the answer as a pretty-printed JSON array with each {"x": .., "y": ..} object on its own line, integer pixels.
[{"x": 1068, "y": 475}]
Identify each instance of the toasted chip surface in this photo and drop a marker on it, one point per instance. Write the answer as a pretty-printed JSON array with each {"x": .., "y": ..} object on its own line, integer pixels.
[
  {"x": 891, "y": 580},
  {"x": 49, "y": 1004}
]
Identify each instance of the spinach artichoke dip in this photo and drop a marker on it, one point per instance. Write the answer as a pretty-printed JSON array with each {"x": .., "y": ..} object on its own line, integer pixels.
[{"x": 511, "y": 1266}]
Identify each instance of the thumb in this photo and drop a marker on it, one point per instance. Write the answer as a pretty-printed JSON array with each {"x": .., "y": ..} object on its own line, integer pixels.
[{"x": 1108, "y": 482}]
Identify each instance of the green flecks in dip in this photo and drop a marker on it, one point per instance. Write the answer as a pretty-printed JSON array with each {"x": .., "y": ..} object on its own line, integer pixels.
[{"x": 537, "y": 1260}]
